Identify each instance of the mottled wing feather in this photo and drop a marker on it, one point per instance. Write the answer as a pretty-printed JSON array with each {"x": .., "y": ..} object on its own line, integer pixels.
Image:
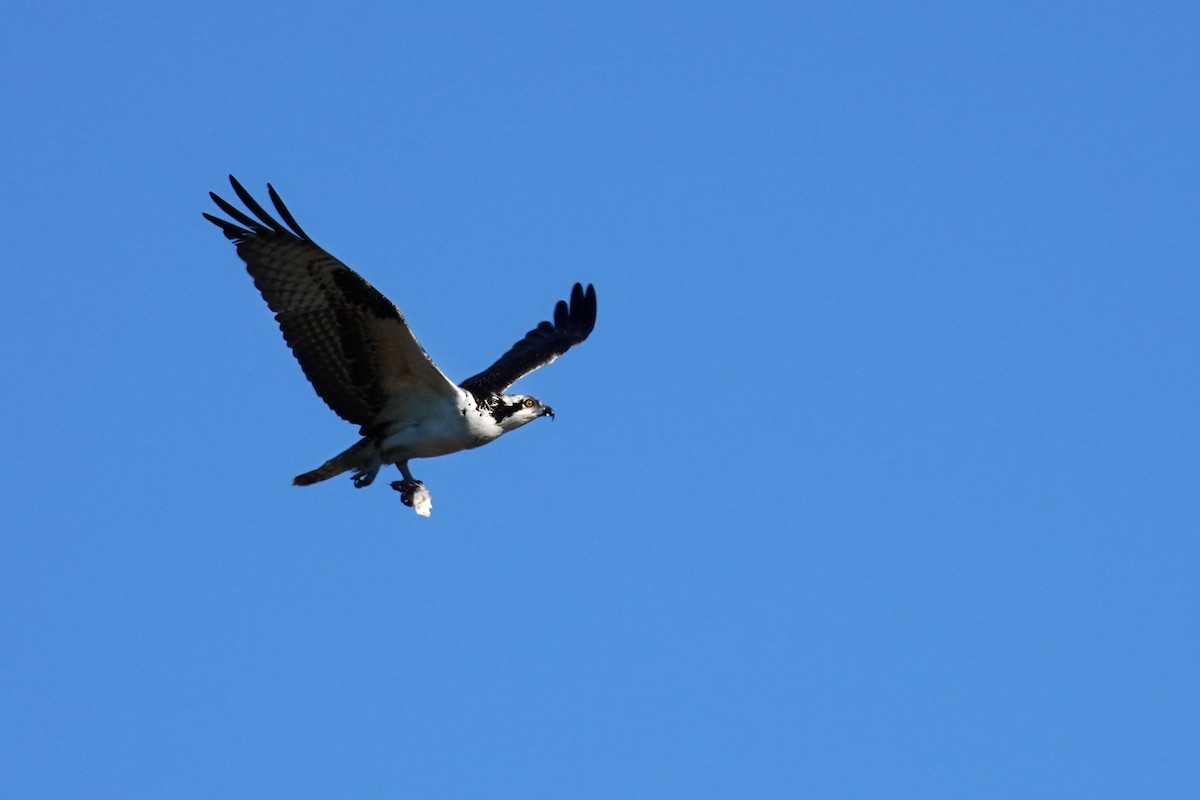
[
  {"x": 352, "y": 343},
  {"x": 572, "y": 324}
]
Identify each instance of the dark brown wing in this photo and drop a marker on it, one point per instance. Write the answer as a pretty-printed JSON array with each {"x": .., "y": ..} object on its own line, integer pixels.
[
  {"x": 352, "y": 342},
  {"x": 572, "y": 324}
]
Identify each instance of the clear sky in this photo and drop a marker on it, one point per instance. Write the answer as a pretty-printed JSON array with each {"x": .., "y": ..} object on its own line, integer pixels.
[{"x": 879, "y": 477}]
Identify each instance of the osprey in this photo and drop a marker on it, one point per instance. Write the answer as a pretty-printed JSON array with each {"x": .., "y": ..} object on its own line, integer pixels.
[{"x": 358, "y": 353}]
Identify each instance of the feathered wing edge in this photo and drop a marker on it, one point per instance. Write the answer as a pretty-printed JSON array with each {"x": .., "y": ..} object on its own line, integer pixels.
[
  {"x": 265, "y": 224},
  {"x": 572, "y": 324}
]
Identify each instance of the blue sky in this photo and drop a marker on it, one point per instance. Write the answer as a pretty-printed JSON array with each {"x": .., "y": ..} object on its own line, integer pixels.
[{"x": 878, "y": 477}]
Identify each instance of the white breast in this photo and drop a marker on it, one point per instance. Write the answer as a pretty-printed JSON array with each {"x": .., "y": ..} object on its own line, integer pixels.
[{"x": 437, "y": 428}]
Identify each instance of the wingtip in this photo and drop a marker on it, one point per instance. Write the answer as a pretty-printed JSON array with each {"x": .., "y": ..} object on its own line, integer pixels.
[
  {"x": 587, "y": 302},
  {"x": 288, "y": 219}
]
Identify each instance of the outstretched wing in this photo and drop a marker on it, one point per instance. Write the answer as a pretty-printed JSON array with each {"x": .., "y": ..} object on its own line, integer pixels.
[
  {"x": 572, "y": 324},
  {"x": 352, "y": 342}
]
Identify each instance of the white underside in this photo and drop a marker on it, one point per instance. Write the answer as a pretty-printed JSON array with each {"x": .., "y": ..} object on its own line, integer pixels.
[{"x": 435, "y": 426}]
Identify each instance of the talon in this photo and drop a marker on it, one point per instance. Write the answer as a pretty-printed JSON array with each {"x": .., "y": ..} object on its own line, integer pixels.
[
  {"x": 365, "y": 475},
  {"x": 414, "y": 495},
  {"x": 405, "y": 490}
]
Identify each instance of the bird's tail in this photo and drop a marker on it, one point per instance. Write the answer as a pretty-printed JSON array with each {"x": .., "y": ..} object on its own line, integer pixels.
[{"x": 361, "y": 457}]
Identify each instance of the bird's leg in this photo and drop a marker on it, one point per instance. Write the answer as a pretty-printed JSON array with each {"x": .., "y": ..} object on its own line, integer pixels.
[{"x": 412, "y": 492}]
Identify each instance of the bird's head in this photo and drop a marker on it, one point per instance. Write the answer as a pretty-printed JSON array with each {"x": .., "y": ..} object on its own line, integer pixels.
[{"x": 514, "y": 410}]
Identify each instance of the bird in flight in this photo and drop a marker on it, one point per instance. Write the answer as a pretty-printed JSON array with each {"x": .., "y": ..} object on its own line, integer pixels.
[{"x": 360, "y": 356}]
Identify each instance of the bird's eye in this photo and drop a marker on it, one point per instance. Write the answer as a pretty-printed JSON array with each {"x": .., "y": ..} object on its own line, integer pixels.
[{"x": 528, "y": 402}]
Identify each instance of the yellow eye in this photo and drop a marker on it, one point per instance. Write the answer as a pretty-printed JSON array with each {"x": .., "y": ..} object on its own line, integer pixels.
[{"x": 528, "y": 402}]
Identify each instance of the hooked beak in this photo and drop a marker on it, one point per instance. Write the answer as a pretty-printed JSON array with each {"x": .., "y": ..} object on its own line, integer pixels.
[{"x": 547, "y": 411}]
